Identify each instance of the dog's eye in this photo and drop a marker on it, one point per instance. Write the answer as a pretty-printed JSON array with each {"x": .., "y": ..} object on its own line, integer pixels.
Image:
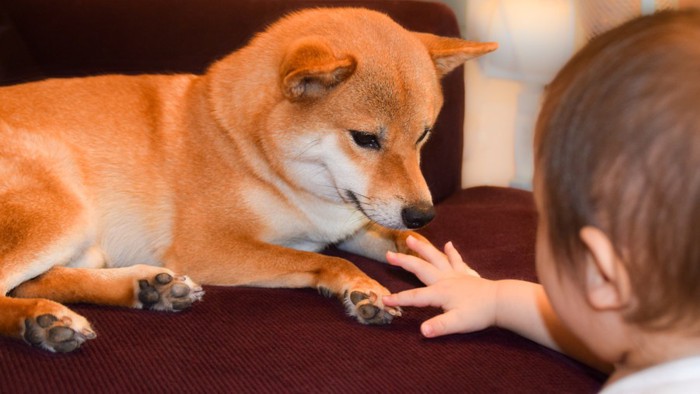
[
  {"x": 423, "y": 136},
  {"x": 365, "y": 140}
]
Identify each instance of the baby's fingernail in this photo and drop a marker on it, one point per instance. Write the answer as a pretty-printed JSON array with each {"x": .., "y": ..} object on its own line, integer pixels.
[{"x": 427, "y": 330}]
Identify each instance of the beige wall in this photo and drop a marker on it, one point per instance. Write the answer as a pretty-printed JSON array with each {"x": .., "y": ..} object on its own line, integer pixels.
[
  {"x": 491, "y": 113},
  {"x": 490, "y": 116}
]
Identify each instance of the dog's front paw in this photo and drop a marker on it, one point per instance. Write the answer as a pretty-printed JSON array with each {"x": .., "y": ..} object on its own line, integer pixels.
[
  {"x": 56, "y": 334},
  {"x": 165, "y": 292},
  {"x": 368, "y": 308}
]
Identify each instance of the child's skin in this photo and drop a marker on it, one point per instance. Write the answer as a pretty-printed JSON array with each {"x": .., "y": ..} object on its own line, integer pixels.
[
  {"x": 471, "y": 303},
  {"x": 584, "y": 309}
]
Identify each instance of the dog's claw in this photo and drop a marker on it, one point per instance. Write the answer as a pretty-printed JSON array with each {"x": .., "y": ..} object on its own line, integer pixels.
[{"x": 166, "y": 292}]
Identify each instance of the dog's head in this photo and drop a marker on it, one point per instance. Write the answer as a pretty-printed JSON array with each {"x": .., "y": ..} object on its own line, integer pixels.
[{"x": 357, "y": 98}]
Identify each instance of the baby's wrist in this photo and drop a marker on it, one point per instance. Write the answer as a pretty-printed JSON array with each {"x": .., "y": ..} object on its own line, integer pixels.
[
  {"x": 515, "y": 305},
  {"x": 498, "y": 296}
]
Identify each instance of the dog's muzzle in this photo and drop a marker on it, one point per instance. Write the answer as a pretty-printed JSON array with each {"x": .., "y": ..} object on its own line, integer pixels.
[
  {"x": 412, "y": 216},
  {"x": 415, "y": 216}
]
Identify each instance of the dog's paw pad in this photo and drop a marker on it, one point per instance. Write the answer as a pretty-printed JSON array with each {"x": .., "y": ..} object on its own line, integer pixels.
[
  {"x": 165, "y": 292},
  {"x": 368, "y": 309},
  {"x": 51, "y": 333}
]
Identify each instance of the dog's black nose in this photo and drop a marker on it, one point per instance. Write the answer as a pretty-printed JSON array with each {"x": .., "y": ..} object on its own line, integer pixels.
[{"x": 419, "y": 215}]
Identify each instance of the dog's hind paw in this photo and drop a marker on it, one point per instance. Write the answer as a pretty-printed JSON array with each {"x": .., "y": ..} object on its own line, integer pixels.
[
  {"x": 165, "y": 292},
  {"x": 368, "y": 308},
  {"x": 56, "y": 335}
]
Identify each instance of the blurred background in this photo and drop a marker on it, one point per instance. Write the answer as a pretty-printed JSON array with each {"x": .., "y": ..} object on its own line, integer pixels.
[{"x": 504, "y": 88}]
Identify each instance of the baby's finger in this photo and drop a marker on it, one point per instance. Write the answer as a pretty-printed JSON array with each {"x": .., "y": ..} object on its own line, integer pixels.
[
  {"x": 428, "y": 251},
  {"x": 456, "y": 261},
  {"x": 444, "y": 324},
  {"x": 420, "y": 297},
  {"x": 453, "y": 255},
  {"x": 425, "y": 271}
]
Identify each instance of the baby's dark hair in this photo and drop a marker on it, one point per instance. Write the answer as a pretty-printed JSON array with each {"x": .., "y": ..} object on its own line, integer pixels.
[{"x": 618, "y": 148}]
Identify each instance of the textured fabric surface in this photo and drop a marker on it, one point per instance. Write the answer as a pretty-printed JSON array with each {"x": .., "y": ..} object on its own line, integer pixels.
[{"x": 282, "y": 340}]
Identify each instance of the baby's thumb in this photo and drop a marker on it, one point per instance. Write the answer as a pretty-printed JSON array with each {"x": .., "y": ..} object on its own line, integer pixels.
[{"x": 445, "y": 324}]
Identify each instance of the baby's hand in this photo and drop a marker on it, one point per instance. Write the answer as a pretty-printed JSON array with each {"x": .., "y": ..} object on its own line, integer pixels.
[{"x": 467, "y": 299}]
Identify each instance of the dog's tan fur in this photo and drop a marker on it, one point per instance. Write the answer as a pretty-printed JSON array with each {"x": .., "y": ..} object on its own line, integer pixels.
[{"x": 235, "y": 177}]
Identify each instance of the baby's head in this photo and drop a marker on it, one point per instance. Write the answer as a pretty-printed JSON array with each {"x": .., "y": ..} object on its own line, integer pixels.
[{"x": 618, "y": 149}]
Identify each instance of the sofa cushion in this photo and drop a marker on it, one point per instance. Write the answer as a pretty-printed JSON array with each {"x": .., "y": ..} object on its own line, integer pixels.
[
  {"x": 282, "y": 340},
  {"x": 16, "y": 63}
]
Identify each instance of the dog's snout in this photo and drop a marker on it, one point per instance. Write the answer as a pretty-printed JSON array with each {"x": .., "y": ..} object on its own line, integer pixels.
[{"x": 415, "y": 216}]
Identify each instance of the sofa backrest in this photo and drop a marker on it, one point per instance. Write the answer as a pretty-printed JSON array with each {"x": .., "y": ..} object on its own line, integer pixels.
[{"x": 66, "y": 38}]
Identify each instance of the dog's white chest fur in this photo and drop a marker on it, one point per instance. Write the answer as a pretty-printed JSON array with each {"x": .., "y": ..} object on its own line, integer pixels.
[
  {"x": 132, "y": 235},
  {"x": 306, "y": 223},
  {"x": 312, "y": 214}
]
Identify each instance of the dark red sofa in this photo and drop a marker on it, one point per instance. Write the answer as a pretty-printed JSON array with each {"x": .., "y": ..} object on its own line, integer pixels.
[{"x": 277, "y": 340}]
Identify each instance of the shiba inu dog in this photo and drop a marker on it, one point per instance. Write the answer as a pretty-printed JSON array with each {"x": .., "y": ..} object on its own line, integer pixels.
[{"x": 113, "y": 187}]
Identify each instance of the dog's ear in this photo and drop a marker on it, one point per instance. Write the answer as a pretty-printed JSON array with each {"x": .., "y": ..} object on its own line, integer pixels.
[
  {"x": 310, "y": 69},
  {"x": 449, "y": 53}
]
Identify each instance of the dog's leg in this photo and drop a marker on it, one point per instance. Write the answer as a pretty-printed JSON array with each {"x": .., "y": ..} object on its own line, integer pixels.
[
  {"x": 255, "y": 263},
  {"x": 42, "y": 224},
  {"x": 138, "y": 286},
  {"x": 40, "y": 322},
  {"x": 44, "y": 324},
  {"x": 374, "y": 241}
]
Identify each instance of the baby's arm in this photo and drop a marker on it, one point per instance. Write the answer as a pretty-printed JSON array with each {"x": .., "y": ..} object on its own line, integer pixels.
[{"x": 472, "y": 303}]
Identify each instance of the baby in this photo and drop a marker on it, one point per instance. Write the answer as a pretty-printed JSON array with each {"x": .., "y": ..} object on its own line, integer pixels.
[{"x": 617, "y": 188}]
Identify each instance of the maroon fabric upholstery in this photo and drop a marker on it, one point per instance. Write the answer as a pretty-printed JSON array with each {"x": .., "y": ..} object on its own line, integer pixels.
[
  {"x": 280, "y": 340},
  {"x": 277, "y": 340}
]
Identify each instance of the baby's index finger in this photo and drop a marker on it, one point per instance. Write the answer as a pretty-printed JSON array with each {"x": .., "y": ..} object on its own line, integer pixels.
[{"x": 419, "y": 297}]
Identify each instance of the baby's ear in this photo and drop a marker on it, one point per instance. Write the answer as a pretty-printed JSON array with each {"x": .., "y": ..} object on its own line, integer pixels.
[
  {"x": 310, "y": 69},
  {"x": 449, "y": 53},
  {"x": 607, "y": 281}
]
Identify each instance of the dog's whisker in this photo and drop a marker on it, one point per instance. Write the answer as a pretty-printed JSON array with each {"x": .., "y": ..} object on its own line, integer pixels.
[{"x": 308, "y": 147}]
